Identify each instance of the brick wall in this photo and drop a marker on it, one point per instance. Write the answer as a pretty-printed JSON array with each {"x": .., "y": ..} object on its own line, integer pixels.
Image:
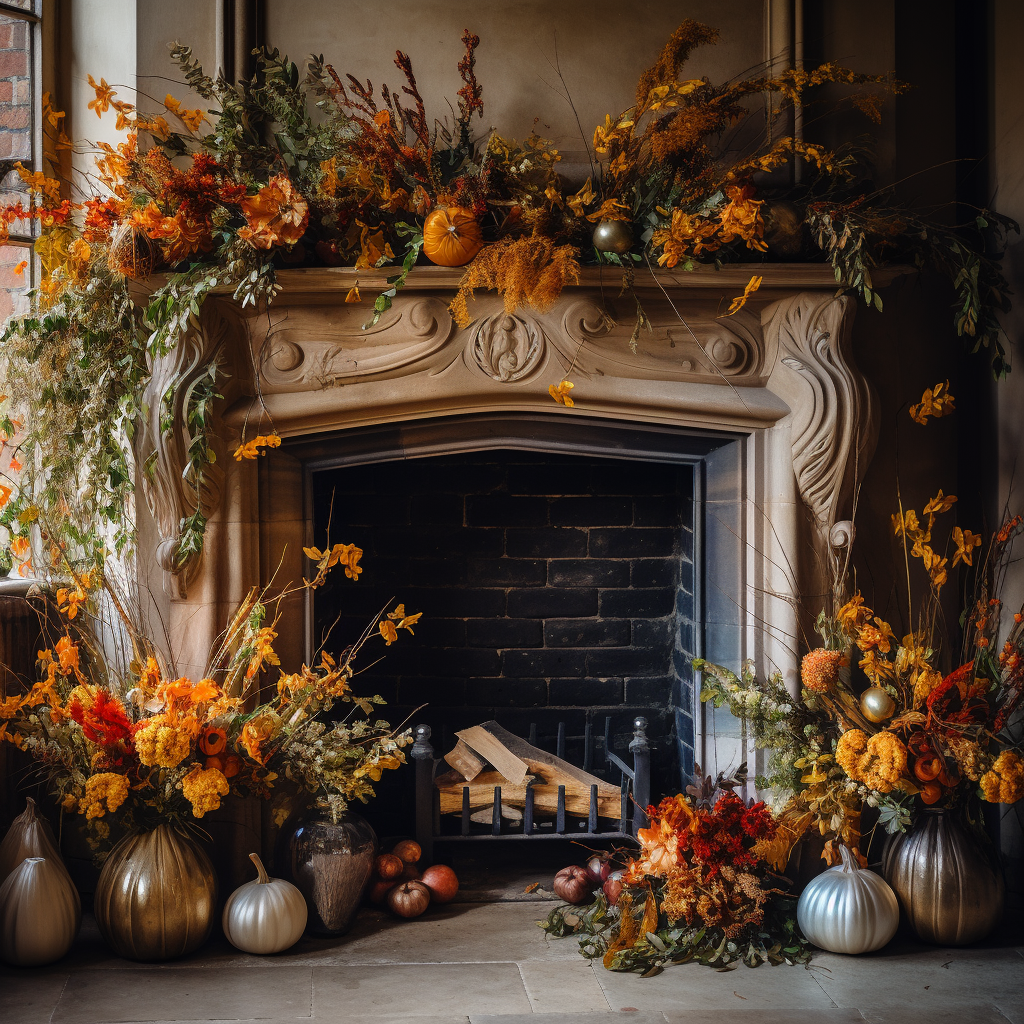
[
  {"x": 15, "y": 144},
  {"x": 554, "y": 588}
]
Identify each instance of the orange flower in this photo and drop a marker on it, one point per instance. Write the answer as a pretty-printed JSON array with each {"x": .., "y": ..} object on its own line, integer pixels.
[
  {"x": 560, "y": 393},
  {"x": 940, "y": 503},
  {"x": 263, "y": 651},
  {"x": 741, "y": 300},
  {"x": 819, "y": 669},
  {"x": 254, "y": 734},
  {"x": 276, "y": 215},
  {"x": 213, "y": 741},
  {"x": 388, "y": 631},
  {"x": 104, "y": 94},
  {"x": 936, "y": 402},
  {"x": 250, "y": 449},
  {"x": 965, "y": 542}
]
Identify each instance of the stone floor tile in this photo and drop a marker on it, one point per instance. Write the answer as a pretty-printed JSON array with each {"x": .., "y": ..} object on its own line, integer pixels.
[
  {"x": 693, "y": 987},
  {"x": 802, "y": 1015},
  {"x": 29, "y": 996},
  {"x": 965, "y": 1013},
  {"x": 922, "y": 979},
  {"x": 558, "y": 987},
  {"x": 607, "y": 1017},
  {"x": 411, "y": 990},
  {"x": 153, "y": 994}
]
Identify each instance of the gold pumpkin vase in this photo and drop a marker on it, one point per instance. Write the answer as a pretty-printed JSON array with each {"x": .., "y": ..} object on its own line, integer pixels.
[
  {"x": 949, "y": 886},
  {"x": 156, "y": 896}
]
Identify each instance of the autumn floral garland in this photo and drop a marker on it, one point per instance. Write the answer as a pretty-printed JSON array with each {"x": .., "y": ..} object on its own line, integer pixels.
[{"x": 701, "y": 890}]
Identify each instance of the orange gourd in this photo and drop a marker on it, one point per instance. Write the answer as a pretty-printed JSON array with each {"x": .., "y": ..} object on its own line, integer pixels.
[{"x": 452, "y": 236}]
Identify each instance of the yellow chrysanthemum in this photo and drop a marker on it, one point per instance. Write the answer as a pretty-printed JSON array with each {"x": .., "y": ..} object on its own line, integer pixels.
[
  {"x": 878, "y": 761},
  {"x": 203, "y": 788},
  {"x": 162, "y": 745},
  {"x": 103, "y": 792},
  {"x": 1004, "y": 784}
]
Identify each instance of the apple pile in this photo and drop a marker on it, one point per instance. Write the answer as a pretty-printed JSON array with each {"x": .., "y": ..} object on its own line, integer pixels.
[
  {"x": 578, "y": 882},
  {"x": 407, "y": 892}
]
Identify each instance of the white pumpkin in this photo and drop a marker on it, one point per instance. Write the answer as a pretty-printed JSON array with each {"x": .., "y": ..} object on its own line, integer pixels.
[
  {"x": 848, "y": 909},
  {"x": 28, "y": 836},
  {"x": 39, "y": 914},
  {"x": 264, "y": 916}
]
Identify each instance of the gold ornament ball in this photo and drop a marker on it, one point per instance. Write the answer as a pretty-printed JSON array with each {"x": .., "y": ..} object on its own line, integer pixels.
[
  {"x": 877, "y": 704},
  {"x": 613, "y": 236}
]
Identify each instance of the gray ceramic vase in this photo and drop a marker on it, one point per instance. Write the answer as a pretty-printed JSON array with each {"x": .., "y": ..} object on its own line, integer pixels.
[
  {"x": 331, "y": 864},
  {"x": 950, "y": 886}
]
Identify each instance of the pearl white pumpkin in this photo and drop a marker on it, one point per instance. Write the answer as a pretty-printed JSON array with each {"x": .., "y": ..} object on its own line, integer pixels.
[
  {"x": 264, "y": 916},
  {"x": 848, "y": 909},
  {"x": 39, "y": 914},
  {"x": 29, "y": 836}
]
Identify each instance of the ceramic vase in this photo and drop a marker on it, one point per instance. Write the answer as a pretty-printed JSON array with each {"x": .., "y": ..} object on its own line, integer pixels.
[
  {"x": 949, "y": 885},
  {"x": 331, "y": 863},
  {"x": 156, "y": 896}
]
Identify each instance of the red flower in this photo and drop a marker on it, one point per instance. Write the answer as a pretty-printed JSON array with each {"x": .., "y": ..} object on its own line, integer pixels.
[{"x": 104, "y": 721}]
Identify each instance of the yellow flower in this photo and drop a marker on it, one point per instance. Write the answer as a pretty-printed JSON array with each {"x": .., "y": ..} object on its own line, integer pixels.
[
  {"x": 388, "y": 631},
  {"x": 251, "y": 449},
  {"x": 560, "y": 393},
  {"x": 203, "y": 788},
  {"x": 936, "y": 401},
  {"x": 347, "y": 555},
  {"x": 906, "y": 525},
  {"x": 741, "y": 300},
  {"x": 263, "y": 651},
  {"x": 924, "y": 682},
  {"x": 107, "y": 788},
  {"x": 965, "y": 542},
  {"x": 161, "y": 745},
  {"x": 1004, "y": 783}
]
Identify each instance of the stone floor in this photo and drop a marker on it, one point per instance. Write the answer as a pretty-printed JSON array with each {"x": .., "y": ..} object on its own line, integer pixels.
[{"x": 471, "y": 963}]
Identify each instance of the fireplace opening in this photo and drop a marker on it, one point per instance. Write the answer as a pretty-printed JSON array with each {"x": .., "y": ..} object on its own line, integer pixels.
[{"x": 554, "y": 588}]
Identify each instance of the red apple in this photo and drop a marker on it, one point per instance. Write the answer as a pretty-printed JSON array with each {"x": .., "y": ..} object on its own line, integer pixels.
[{"x": 442, "y": 883}]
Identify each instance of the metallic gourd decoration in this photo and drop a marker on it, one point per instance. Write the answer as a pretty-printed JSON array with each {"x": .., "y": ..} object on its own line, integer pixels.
[
  {"x": 848, "y": 909},
  {"x": 877, "y": 704},
  {"x": 950, "y": 888},
  {"x": 39, "y": 913},
  {"x": 156, "y": 896},
  {"x": 132, "y": 252},
  {"x": 613, "y": 236},
  {"x": 264, "y": 916},
  {"x": 29, "y": 836}
]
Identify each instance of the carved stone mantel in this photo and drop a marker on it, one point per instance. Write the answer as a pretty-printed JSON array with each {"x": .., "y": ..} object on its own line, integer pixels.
[{"x": 779, "y": 374}]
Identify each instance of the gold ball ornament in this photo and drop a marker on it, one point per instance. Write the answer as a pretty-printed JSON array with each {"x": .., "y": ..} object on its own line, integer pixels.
[
  {"x": 877, "y": 704},
  {"x": 613, "y": 236}
]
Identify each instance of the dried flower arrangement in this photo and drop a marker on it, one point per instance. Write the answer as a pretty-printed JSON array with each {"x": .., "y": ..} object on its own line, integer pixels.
[
  {"x": 286, "y": 169},
  {"x": 701, "y": 890},
  {"x": 878, "y": 722},
  {"x": 120, "y": 738}
]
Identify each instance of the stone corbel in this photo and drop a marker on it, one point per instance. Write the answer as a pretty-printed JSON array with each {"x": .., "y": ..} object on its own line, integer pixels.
[
  {"x": 834, "y": 424},
  {"x": 165, "y": 440}
]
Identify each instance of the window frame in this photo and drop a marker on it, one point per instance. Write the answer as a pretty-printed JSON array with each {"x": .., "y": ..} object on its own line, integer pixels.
[{"x": 34, "y": 19}]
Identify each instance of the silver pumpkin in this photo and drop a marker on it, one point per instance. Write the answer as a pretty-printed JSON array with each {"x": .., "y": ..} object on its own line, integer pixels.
[{"x": 950, "y": 888}]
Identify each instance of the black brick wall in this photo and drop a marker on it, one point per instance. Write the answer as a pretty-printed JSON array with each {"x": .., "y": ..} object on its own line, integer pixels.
[{"x": 553, "y": 588}]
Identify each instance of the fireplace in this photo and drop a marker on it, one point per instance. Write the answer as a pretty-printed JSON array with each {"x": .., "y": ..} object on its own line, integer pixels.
[{"x": 728, "y": 444}]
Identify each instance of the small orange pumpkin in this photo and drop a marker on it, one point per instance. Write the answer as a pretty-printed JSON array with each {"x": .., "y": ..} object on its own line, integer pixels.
[
  {"x": 213, "y": 741},
  {"x": 452, "y": 236}
]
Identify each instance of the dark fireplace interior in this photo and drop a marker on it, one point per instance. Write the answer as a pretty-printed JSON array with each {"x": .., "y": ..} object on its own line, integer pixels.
[{"x": 554, "y": 588}]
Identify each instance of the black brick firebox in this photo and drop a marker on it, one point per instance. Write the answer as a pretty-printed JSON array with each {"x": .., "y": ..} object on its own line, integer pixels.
[
  {"x": 553, "y": 588},
  {"x": 555, "y": 573}
]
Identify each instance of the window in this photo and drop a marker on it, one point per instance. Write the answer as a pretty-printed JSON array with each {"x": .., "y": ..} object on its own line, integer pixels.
[{"x": 20, "y": 139}]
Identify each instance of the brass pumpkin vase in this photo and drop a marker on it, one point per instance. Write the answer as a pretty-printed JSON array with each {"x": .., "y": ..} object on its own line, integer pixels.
[
  {"x": 157, "y": 895},
  {"x": 950, "y": 887}
]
